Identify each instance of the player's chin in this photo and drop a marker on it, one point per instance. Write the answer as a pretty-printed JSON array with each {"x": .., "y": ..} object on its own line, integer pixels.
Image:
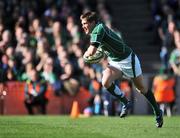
[{"x": 87, "y": 32}]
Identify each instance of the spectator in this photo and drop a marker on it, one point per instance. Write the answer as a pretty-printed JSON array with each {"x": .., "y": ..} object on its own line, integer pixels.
[
  {"x": 12, "y": 71},
  {"x": 73, "y": 29},
  {"x": 42, "y": 54},
  {"x": 6, "y": 40},
  {"x": 167, "y": 43},
  {"x": 26, "y": 74},
  {"x": 21, "y": 39},
  {"x": 35, "y": 93},
  {"x": 50, "y": 76},
  {"x": 28, "y": 56},
  {"x": 163, "y": 85},
  {"x": 8, "y": 68},
  {"x": 4, "y": 63},
  {"x": 175, "y": 54},
  {"x": 70, "y": 82},
  {"x": 58, "y": 33}
]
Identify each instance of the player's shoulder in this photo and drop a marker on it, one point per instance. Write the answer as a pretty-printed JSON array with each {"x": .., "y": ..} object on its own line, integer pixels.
[{"x": 99, "y": 27}]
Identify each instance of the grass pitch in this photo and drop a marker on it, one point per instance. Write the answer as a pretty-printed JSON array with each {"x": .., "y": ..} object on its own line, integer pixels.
[{"x": 93, "y": 127}]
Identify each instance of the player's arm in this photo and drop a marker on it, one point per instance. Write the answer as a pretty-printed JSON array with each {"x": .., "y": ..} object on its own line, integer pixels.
[
  {"x": 95, "y": 40},
  {"x": 90, "y": 51}
]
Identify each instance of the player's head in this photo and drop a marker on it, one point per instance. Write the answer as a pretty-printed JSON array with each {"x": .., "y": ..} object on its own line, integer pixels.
[{"x": 88, "y": 21}]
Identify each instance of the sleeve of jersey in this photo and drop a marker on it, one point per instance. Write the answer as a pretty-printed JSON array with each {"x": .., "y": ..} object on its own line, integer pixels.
[{"x": 97, "y": 36}]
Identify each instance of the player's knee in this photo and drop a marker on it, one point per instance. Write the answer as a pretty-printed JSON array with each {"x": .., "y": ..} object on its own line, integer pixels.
[{"x": 106, "y": 71}]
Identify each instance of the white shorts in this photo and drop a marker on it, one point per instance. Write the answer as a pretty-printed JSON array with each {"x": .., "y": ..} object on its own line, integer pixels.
[{"x": 130, "y": 66}]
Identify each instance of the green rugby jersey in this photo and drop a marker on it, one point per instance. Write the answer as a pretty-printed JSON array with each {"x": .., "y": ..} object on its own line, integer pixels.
[{"x": 111, "y": 42}]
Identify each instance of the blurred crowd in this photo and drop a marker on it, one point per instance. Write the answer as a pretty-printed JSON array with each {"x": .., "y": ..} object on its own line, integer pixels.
[
  {"x": 42, "y": 41},
  {"x": 166, "y": 27}
]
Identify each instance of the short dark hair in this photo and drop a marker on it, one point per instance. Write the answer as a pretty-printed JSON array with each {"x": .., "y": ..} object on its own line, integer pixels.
[{"x": 90, "y": 16}]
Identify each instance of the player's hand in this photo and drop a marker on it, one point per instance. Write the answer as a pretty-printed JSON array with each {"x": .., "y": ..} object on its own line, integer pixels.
[
  {"x": 95, "y": 58},
  {"x": 87, "y": 54},
  {"x": 90, "y": 51}
]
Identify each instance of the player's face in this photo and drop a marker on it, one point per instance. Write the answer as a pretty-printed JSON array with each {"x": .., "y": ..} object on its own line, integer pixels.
[{"x": 87, "y": 26}]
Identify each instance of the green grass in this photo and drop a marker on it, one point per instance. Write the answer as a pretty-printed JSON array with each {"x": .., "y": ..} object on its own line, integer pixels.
[{"x": 93, "y": 127}]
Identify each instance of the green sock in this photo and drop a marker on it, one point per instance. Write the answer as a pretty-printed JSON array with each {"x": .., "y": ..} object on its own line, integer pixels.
[
  {"x": 115, "y": 91},
  {"x": 150, "y": 97}
]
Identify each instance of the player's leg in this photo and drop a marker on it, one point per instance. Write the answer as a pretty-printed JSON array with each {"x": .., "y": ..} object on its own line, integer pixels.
[
  {"x": 110, "y": 74},
  {"x": 138, "y": 81}
]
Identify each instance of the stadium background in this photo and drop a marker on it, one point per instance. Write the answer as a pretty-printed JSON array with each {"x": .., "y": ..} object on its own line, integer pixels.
[{"x": 134, "y": 18}]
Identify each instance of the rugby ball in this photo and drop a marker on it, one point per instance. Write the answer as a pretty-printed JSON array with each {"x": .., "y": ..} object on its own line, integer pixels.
[{"x": 96, "y": 58}]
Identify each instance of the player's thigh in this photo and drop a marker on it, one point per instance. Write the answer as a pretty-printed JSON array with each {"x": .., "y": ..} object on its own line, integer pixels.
[
  {"x": 109, "y": 75},
  {"x": 139, "y": 84}
]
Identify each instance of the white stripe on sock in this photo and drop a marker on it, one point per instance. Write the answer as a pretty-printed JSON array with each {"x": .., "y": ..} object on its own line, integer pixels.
[{"x": 118, "y": 91}]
